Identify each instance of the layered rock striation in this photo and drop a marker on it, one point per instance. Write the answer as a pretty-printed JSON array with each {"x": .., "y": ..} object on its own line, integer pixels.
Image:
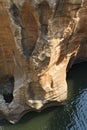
[{"x": 39, "y": 41}]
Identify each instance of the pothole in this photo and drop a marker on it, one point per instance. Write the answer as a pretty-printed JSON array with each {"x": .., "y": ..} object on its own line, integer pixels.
[{"x": 6, "y": 88}]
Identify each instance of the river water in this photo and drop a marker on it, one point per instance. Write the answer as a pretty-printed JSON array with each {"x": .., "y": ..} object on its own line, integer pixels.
[{"x": 72, "y": 116}]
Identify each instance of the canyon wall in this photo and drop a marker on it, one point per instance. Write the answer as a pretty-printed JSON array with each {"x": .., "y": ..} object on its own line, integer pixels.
[{"x": 39, "y": 41}]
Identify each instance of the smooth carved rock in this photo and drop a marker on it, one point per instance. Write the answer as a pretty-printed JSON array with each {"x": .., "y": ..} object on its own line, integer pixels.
[{"x": 39, "y": 42}]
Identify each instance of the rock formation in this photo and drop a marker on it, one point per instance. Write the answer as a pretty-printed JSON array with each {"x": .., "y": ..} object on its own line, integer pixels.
[{"x": 39, "y": 42}]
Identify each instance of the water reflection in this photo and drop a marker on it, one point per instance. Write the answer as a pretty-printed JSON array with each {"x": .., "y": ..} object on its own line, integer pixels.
[{"x": 73, "y": 116}]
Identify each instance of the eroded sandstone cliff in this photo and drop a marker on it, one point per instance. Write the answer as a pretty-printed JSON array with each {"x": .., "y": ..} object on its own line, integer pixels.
[{"x": 39, "y": 42}]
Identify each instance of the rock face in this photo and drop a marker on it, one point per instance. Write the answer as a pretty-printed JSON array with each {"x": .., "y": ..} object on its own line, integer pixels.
[{"x": 39, "y": 42}]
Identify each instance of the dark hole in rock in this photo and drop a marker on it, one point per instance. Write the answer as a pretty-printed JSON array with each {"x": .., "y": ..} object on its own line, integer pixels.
[
  {"x": 8, "y": 97},
  {"x": 6, "y": 88}
]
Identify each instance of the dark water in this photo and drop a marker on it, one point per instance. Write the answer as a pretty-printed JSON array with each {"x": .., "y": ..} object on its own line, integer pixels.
[{"x": 73, "y": 116}]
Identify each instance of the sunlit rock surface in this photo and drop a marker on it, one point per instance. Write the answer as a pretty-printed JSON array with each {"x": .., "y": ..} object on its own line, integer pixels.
[{"x": 39, "y": 42}]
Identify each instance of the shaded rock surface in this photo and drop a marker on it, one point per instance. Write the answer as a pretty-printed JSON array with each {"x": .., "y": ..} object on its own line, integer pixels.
[{"x": 39, "y": 42}]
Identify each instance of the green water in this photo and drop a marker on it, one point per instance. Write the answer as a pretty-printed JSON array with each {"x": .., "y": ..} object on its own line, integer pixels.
[{"x": 73, "y": 116}]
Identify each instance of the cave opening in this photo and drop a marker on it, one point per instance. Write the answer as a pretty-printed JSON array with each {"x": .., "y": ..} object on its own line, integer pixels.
[{"x": 6, "y": 88}]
